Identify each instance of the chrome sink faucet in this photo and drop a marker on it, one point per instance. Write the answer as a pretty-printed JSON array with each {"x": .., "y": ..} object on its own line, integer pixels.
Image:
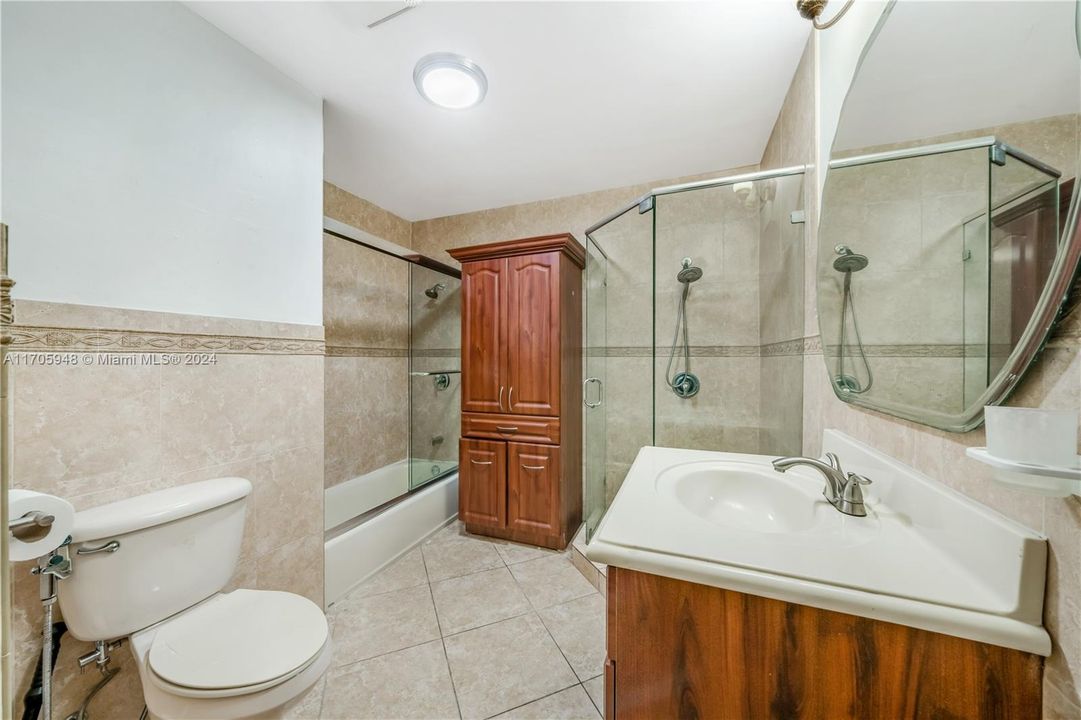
[{"x": 844, "y": 492}]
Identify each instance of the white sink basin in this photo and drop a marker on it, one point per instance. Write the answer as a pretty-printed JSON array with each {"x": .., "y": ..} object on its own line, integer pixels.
[
  {"x": 925, "y": 556},
  {"x": 743, "y": 496}
]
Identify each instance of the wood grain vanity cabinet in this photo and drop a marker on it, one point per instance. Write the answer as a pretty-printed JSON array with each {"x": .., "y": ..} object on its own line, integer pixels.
[
  {"x": 682, "y": 650},
  {"x": 521, "y": 446}
]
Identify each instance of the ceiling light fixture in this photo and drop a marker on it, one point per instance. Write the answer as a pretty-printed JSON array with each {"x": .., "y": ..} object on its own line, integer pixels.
[{"x": 450, "y": 81}]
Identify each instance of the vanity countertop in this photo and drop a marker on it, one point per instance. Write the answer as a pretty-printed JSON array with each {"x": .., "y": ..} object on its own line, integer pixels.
[{"x": 925, "y": 556}]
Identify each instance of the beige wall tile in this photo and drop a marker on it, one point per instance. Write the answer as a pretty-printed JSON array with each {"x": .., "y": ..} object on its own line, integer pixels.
[
  {"x": 363, "y": 215},
  {"x": 66, "y": 315},
  {"x": 365, "y": 296},
  {"x": 85, "y": 428},
  {"x": 243, "y": 406},
  {"x": 295, "y": 567},
  {"x": 367, "y": 415},
  {"x": 97, "y": 434}
]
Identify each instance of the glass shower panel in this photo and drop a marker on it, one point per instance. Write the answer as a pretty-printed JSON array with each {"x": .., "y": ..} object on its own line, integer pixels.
[
  {"x": 596, "y": 371},
  {"x": 619, "y": 338},
  {"x": 737, "y": 248},
  {"x": 434, "y": 374},
  {"x": 729, "y": 317}
]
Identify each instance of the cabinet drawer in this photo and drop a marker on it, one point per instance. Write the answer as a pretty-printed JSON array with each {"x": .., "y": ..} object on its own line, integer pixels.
[{"x": 511, "y": 427}]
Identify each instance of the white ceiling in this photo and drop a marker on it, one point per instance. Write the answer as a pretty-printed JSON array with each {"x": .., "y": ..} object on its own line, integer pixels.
[
  {"x": 582, "y": 96},
  {"x": 976, "y": 64}
]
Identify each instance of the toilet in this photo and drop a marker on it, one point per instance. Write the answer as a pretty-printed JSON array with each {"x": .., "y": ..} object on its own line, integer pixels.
[{"x": 153, "y": 569}]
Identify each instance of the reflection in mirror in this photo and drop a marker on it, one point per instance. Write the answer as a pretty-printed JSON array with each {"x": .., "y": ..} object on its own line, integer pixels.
[{"x": 945, "y": 238}]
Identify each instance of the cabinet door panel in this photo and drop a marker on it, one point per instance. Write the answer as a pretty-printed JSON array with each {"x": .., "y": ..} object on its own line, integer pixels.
[
  {"x": 484, "y": 292},
  {"x": 533, "y": 488},
  {"x": 482, "y": 483},
  {"x": 533, "y": 334}
]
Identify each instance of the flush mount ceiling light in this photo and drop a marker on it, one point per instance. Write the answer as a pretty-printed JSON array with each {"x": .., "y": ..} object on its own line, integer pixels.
[{"x": 450, "y": 81}]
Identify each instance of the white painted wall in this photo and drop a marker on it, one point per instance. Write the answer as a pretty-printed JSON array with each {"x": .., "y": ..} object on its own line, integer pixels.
[
  {"x": 839, "y": 51},
  {"x": 152, "y": 162}
]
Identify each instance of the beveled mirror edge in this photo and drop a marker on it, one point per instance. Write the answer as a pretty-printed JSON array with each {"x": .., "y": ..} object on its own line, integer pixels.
[{"x": 1052, "y": 306}]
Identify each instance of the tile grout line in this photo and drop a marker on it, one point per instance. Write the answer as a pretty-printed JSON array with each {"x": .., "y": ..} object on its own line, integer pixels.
[
  {"x": 442, "y": 640},
  {"x": 546, "y": 630},
  {"x": 600, "y": 711},
  {"x": 489, "y": 624},
  {"x": 530, "y": 702},
  {"x": 344, "y": 669}
]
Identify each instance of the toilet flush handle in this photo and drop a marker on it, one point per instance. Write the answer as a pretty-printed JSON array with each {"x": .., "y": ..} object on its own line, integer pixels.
[{"x": 109, "y": 547}]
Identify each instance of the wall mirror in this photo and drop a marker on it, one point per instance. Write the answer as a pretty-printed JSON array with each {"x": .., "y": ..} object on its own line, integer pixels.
[{"x": 947, "y": 241}]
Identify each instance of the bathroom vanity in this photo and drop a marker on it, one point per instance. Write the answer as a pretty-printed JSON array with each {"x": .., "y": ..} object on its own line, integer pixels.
[{"x": 735, "y": 591}]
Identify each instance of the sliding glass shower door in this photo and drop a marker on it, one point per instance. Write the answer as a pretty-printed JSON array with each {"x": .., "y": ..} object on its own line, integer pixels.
[{"x": 434, "y": 374}]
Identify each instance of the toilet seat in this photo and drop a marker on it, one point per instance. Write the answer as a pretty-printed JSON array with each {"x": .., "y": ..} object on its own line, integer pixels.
[{"x": 242, "y": 642}]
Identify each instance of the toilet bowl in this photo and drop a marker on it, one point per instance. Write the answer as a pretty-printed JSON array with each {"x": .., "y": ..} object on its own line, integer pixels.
[
  {"x": 153, "y": 569},
  {"x": 237, "y": 655}
]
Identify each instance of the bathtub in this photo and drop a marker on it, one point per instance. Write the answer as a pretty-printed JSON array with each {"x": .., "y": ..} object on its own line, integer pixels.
[{"x": 357, "y": 553}]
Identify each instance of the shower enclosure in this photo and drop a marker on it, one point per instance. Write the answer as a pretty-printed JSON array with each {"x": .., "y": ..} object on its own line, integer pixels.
[
  {"x": 393, "y": 371},
  {"x": 942, "y": 252},
  {"x": 694, "y": 325}
]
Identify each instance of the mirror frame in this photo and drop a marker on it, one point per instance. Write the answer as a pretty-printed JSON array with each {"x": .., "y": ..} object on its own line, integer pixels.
[{"x": 1053, "y": 305}]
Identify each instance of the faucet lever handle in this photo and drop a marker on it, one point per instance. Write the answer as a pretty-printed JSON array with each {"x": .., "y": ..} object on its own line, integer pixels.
[
  {"x": 858, "y": 479},
  {"x": 852, "y": 494},
  {"x": 835, "y": 462}
]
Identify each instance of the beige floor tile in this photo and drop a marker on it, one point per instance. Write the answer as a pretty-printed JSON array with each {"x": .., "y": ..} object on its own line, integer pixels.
[
  {"x": 514, "y": 553},
  {"x": 578, "y": 629},
  {"x": 309, "y": 705},
  {"x": 569, "y": 704},
  {"x": 595, "y": 688},
  {"x": 551, "y": 580},
  {"x": 410, "y": 683},
  {"x": 481, "y": 598},
  {"x": 366, "y": 627},
  {"x": 452, "y": 553},
  {"x": 498, "y": 667},
  {"x": 405, "y": 572}
]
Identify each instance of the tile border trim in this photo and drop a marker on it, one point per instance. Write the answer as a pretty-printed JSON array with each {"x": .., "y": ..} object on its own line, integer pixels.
[
  {"x": 32, "y": 338},
  {"x": 367, "y": 352}
]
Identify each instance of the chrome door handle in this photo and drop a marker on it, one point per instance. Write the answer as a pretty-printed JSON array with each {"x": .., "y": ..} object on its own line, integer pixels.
[
  {"x": 508, "y": 429},
  {"x": 109, "y": 547},
  {"x": 600, "y": 392},
  {"x": 478, "y": 462},
  {"x": 533, "y": 467},
  {"x": 500, "y": 397}
]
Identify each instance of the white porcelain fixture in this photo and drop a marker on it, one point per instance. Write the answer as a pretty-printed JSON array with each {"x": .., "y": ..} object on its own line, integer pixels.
[
  {"x": 356, "y": 554},
  {"x": 201, "y": 653},
  {"x": 925, "y": 556}
]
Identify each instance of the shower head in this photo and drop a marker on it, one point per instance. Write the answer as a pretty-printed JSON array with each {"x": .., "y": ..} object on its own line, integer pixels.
[
  {"x": 689, "y": 273},
  {"x": 848, "y": 261},
  {"x": 434, "y": 290}
]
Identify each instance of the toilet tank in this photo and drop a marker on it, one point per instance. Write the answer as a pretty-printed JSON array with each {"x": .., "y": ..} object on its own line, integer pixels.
[{"x": 177, "y": 547}]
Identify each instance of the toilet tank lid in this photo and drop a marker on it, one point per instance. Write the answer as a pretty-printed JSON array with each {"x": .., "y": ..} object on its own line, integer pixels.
[{"x": 157, "y": 508}]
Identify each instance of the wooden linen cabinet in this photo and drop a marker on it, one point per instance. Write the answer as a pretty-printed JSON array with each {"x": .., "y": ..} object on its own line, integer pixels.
[{"x": 520, "y": 475}]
